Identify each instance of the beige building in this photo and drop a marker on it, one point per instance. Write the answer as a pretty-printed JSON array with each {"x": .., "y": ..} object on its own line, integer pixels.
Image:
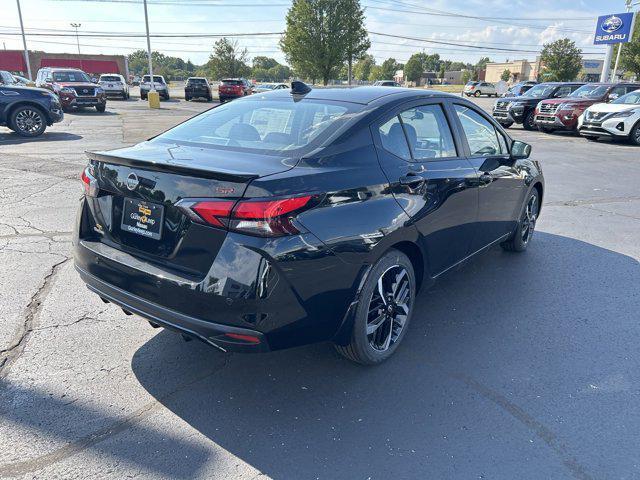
[{"x": 521, "y": 70}]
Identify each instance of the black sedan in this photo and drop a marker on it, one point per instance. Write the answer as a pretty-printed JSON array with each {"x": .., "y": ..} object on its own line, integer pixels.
[
  {"x": 300, "y": 216},
  {"x": 27, "y": 111}
]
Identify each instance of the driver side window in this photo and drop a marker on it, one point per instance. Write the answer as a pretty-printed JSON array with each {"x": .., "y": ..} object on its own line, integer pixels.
[{"x": 483, "y": 139}]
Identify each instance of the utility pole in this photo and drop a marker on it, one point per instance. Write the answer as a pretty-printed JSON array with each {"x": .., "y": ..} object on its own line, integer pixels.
[
  {"x": 24, "y": 43},
  {"x": 152, "y": 95},
  {"x": 76, "y": 26},
  {"x": 615, "y": 67}
]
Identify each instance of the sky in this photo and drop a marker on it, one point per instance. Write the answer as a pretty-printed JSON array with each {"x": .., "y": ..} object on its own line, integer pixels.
[{"x": 516, "y": 25}]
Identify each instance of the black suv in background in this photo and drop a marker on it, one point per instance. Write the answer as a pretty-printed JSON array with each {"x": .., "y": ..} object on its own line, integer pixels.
[
  {"x": 27, "y": 111},
  {"x": 521, "y": 109},
  {"x": 197, "y": 87},
  {"x": 519, "y": 88}
]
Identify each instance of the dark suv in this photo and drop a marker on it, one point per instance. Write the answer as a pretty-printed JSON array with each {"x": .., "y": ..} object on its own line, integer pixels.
[
  {"x": 231, "y": 88},
  {"x": 27, "y": 111},
  {"x": 197, "y": 87},
  {"x": 521, "y": 109},
  {"x": 563, "y": 113},
  {"x": 519, "y": 88},
  {"x": 73, "y": 86}
]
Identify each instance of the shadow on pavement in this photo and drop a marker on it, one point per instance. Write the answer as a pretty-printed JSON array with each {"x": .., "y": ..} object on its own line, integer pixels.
[
  {"x": 496, "y": 353},
  {"x": 11, "y": 138}
]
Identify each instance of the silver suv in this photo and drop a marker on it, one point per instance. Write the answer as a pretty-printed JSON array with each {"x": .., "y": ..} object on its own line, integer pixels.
[
  {"x": 158, "y": 83},
  {"x": 480, "y": 88},
  {"x": 114, "y": 85}
]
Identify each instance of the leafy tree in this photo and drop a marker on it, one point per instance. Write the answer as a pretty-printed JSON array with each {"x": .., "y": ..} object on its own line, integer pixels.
[
  {"x": 376, "y": 73},
  {"x": 357, "y": 40},
  {"x": 482, "y": 63},
  {"x": 413, "y": 69},
  {"x": 362, "y": 68},
  {"x": 228, "y": 60},
  {"x": 388, "y": 69},
  {"x": 506, "y": 75},
  {"x": 320, "y": 36},
  {"x": 419, "y": 63},
  {"x": 467, "y": 75},
  {"x": 443, "y": 70},
  {"x": 264, "y": 62},
  {"x": 630, "y": 54},
  {"x": 561, "y": 60}
]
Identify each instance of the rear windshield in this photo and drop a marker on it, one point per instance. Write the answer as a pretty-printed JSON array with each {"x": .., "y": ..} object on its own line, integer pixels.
[
  {"x": 71, "y": 77},
  {"x": 269, "y": 126},
  {"x": 109, "y": 78},
  {"x": 630, "y": 98},
  {"x": 156, "y": 79},
  {"x": 590, "y": 91},
  {"x": 231, "y": 82},
  {"x": 197, "y": 81}
]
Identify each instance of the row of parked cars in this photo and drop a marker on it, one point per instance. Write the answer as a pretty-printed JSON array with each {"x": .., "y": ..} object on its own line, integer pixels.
[{"x": 594, "y": 110}]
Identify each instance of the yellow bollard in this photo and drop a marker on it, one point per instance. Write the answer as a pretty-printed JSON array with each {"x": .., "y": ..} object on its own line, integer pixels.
[{"x": 154, "y": 99}]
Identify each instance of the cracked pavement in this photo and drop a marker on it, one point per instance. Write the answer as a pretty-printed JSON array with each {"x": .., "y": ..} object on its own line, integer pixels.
[{"x": 515, "y": 366}]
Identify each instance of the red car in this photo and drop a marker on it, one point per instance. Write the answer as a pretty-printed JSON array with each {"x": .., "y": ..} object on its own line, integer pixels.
[
  {"x": 563, "y": 113},
  {"x": 231, "y": 88},
  {"x": 73, "y": 86}
]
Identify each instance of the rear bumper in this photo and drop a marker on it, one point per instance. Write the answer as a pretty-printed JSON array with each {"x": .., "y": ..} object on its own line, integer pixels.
[{"x": 211, "y": 333}]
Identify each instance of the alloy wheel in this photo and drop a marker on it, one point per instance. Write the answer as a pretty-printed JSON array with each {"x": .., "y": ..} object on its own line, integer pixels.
[
  {"x": 29, "y": 121},
  {"x": 389, "y": 308},
  {"x": 529, "y": 218}
]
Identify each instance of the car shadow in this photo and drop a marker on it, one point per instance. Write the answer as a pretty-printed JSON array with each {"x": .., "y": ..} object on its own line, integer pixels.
[
  {"x": 472, "y": 392},
  {"x": 10, "y": 138}
]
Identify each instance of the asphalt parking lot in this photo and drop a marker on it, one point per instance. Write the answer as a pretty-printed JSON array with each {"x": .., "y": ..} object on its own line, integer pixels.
[{"x": 515, "y": 366}]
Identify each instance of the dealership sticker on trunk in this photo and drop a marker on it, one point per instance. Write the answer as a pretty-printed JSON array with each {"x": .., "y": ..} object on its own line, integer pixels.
[{"x": 142, "y": 218}]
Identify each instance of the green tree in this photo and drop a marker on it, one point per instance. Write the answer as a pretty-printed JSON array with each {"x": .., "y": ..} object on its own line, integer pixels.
[
  {"x": 357, "y": 39},
  {"x": 376, "y": 73},
  {"x": 467, "y": 75},
  {"x": 419, "y": 63},
  {"x": 388, "y": 69},
  {"x": 630, "y": 54},
  {"x": 561, "y": 60},
  {"x": 413, "y": 69},
  {"x": 264, "y": 62},
  {"x": 227, "y": 60},
  {"x": 506, "y": 75},
  {"x": 482, "y": 63},
  {"x": 362, "y": 68},
  {"x": 320, "y": 37}
]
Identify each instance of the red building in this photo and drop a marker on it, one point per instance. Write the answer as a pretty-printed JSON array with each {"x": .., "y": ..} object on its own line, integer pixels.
[{"x": 13, "y": 61}]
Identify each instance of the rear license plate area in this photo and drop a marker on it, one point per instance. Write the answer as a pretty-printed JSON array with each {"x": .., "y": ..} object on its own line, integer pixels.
[{"x": 142, "y": 218}]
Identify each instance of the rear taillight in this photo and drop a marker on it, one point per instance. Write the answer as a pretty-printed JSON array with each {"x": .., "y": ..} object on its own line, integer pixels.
[
  {"x": 264, "y": 217},
  {"x": 89, "y": 182}
]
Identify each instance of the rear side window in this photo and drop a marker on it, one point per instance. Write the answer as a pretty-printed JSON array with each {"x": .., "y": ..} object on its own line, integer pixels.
[
  {"x": 259, "y": 125},
  {"x": 428, "y": 132},
  {"x": 393, "y": 139},
  {"x": 482, "y": 136}
]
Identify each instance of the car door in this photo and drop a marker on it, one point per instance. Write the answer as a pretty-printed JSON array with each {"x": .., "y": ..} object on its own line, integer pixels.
[
  {"x": 430, "y": 178},
  {"x": 501, "y": 183}
]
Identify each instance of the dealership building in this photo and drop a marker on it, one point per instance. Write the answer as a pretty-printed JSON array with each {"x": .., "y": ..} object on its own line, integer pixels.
[
  {"x": 522, "y": 70},
  {"x": 13, "y": 61}
]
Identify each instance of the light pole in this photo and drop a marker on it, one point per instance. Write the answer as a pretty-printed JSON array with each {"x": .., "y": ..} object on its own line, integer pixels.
[
  {"x": 152, "y": 96},
  {"x": 24, "y": 42},
  {"x": 76, "y": 26},
  {"x": 630, "y": 3}
]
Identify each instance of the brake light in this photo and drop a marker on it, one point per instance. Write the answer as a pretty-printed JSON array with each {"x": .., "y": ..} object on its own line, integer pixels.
[
  {"x": 89, "y": 183},
  {"x": 265, "y": 218}
]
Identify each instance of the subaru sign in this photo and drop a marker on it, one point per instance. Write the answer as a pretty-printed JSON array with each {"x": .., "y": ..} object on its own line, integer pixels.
[{"x": 614, "y": 28}]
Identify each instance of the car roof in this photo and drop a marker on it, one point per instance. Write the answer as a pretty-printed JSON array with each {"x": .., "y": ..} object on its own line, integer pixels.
[{"x": 363, "y": 95}]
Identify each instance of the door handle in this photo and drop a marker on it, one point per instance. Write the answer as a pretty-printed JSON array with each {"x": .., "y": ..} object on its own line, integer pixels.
[
  {"x": 412, "y": 180},
  {"x": 486, "y": 179}
]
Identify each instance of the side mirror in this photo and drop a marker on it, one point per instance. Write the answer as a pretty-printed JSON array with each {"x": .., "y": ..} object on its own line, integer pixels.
[{"x": 520, "y": 150}]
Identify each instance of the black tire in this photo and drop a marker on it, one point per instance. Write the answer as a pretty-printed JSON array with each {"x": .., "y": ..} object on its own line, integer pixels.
[
  {"x": 143, "y": 97},
  {"x": 209, "y": 98},
  {"x": 529, "y": 121},
  {"x": 477, "y": 93},
  {"x": 521, "y": 238},
  {"x": 506, "y": 125},
  {"x": 101, "y": 108},
  {"x": 186, "y": 98},
  {"x": 377, "y": 332},
  {"x": 591, "y": 138},
  {"x": 28, "y": 121},
  {"x": 634, "y": 136},
  {"x": 546, "y": 129}
]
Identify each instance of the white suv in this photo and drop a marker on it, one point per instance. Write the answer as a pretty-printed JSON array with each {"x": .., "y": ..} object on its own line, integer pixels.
[
  {"x": 480, "y": 88},
  {"x": 158, "y": 83},
  {"x": 114, "y": 85},
  {"x": 618, "y": 119}
]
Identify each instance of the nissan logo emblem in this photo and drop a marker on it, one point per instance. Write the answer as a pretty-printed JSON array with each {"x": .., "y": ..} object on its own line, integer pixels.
[
  {"x": 85, "y": 91},
  {"x": 132, "y": 181}
]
